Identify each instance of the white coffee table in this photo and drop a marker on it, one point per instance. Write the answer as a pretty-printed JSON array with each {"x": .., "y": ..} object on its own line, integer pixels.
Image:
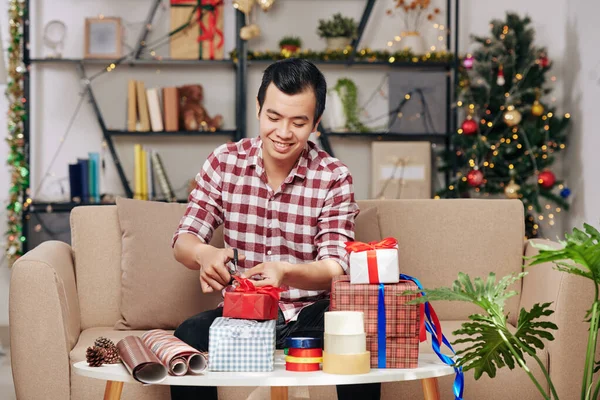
[{"x": 429, "y": 369}]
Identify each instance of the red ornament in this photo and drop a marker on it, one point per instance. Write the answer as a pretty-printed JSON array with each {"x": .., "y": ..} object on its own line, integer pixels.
[
  {"x": 546, "y": 179},
  {"x": 544, "y": 62},
  {"x": 475, "y": 177},
  {"x": 469, "y": 127}
]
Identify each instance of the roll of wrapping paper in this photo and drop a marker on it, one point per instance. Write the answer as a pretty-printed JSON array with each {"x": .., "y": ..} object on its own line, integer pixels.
[
  {"x": 305, "y": 352},
  {"x": 347, "y": 364},
  {"x": 175, "y": 354},
  {"x": 345, "y": 344}
]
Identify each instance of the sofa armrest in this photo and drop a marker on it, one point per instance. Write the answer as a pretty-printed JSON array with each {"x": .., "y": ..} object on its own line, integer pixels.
[
  {"x": 571, "y": 297},
  {"x": 44, "y": 321}
]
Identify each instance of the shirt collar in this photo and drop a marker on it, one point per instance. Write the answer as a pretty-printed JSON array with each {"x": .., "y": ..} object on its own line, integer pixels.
[{"x": 255, "y": 160}]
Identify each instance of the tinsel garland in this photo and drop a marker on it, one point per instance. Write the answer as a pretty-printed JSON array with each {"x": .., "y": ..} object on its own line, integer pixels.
[
  {"x": 17, "y": 162},
  {"x": 364, "y": 55}
]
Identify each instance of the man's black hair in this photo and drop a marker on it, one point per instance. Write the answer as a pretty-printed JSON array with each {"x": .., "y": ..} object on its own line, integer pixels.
[{"x": 293, "y": 76}]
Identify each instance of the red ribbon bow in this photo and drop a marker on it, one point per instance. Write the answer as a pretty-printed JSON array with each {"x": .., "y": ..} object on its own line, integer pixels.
[
  {"x": 387, "y": 243},
  {"x": 245, "y": 285},
  {"x": 208, "y": 33}
]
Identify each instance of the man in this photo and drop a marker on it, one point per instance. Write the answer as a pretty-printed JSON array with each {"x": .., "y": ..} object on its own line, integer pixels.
[{"x": 287, "y": 206}]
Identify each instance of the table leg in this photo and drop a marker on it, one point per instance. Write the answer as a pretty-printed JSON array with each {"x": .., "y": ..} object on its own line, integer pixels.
[
  {"x": 279, "y": 393},
  {"x": 431, "y": 389},
  {"x": 113, "y": 390}
]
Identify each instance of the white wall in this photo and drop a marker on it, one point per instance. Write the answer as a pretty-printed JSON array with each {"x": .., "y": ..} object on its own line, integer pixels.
[
  {"x": 55, "y": 89},
  {"x": 582, "y": 85}
]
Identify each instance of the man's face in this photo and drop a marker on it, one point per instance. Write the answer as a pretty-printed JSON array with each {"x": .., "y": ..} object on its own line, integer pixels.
[{"x": 285, "y": 123}]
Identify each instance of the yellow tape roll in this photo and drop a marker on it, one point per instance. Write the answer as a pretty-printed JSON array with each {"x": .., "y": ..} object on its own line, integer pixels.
[
  {"x": 304, "y": 360},
  {"x": 347, "y": 364}
]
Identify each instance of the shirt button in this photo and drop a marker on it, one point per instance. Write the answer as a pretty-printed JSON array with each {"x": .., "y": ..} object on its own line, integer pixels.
[{"x": 269, "y": 252}]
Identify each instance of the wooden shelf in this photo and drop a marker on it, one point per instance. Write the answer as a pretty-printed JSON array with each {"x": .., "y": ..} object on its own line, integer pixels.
[
  {"x": 227, "y": 132},
  {"x": 442, "y": 65},
  {"x": 133, "y": 62},
  {"x": 402, "y": 137}
]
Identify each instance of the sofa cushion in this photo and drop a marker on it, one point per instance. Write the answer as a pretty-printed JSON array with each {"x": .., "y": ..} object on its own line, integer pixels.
[
  {"x": 156, "y": 290},
  {"x": 366, "y": 225}
]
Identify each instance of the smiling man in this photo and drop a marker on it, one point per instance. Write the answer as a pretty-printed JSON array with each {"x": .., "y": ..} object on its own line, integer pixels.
[{"x": 286, "y": 205}]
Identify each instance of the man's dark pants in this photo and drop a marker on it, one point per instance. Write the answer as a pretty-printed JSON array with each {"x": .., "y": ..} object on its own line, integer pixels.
[{"x": 194, "y": 331}]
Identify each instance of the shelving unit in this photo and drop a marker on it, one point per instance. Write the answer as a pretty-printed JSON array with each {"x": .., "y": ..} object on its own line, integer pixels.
[{"x": 240, "y": 66}]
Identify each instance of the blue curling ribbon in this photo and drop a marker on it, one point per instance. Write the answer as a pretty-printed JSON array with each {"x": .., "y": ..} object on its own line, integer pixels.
[
  {"x": 430, "y": 326},
  {"x": 381, "y": 346}
]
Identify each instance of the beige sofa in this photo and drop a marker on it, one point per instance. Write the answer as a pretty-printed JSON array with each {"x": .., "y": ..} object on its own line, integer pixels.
[{"x": 62, "y": 297}]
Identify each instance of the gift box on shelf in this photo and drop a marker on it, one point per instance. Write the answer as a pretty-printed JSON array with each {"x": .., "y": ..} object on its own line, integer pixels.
[
  {"x": 250, "y": 302},
  {"x": 202, "y": 39},
  {"x": 240, "y": 345},
  {"x": 373, "y": 262},
  {"x": 392, "y": 327}
]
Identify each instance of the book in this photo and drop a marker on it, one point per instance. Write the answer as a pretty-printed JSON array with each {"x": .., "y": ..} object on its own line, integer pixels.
[
  {"x": 131, "y": 106},
  {"x": 137, "y": 181},
  {"x": 156, "y": 119},
  {"x": 142, "y": 104},
  {"x": 161, "y": 177},
  {"x": 157, "y": 353},
  {"x": 171, "y": 108}
]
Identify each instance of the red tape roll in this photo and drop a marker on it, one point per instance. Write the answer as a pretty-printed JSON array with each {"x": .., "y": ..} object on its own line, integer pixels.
[
  {"x": 301, "y": 367},
  {"x": 305, "y": 353}
]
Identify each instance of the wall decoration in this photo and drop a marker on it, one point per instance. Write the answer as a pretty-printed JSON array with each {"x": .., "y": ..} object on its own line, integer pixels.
[
  {"x": 103, "y": 37},
  {"x": 55, "y": 33}
]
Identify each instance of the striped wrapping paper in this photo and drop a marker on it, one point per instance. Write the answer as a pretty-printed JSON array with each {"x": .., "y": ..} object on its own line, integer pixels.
[
  {"x": 402, "y": 320},
  {"x": 179, "y": 357},
  {"x": 141, "y": 363}
]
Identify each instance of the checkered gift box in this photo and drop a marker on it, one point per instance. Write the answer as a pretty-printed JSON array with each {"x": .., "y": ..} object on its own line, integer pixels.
[
  {"x": 402, "y": 320},
  {"x": 239, "y": 345}
]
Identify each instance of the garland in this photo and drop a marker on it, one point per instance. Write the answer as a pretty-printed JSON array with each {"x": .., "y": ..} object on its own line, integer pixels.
[
  {"x": 365, "y": 55},
  {"x": 17, "y": 162},
  {"x": 346, "y": 89}
]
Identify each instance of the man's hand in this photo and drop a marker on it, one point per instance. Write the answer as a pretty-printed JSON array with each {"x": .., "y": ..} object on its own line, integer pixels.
[
  {"x": 214, "y": 275},
  {"x": 273, "y": 273}
]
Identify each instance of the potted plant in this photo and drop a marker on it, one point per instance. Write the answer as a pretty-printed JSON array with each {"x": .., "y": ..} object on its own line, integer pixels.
[
  {"x": 489, "y": 342},
  {"x": 290, "y": 43},
  {"x": 338, "y": 31}
]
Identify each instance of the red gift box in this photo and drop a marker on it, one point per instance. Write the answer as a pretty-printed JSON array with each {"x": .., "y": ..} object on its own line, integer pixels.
[
  {"x": 250, "y": 302},
  {"x": 402, "y": 320}
]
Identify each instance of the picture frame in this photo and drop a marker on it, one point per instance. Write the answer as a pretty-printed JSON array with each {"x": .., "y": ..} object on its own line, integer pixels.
[{"x": 103, "y": 37}]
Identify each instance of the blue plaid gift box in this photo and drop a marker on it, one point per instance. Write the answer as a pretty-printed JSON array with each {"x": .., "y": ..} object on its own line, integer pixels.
[{"x": 241, "y": 345}]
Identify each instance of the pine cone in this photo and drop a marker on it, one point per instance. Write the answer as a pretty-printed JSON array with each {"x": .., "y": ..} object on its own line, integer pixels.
[
  {"x": 95, "y": 356},
  {"x": 112, "y": 356},
  {"x": 104, "y": 342}
]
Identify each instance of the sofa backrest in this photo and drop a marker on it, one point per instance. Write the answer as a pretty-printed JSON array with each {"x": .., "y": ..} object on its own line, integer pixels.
[{"x": 437, "y": 239}]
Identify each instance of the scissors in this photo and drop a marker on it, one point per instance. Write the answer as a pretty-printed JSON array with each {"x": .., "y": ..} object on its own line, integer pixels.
[{"x": 233, "y": 271}]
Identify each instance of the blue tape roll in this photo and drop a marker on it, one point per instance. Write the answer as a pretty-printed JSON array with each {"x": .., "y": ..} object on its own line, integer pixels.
[{"x": 303, "y": 343}]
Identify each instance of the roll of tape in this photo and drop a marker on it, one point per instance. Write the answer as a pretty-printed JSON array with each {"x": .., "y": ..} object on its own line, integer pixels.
[
  {"x": 344, "y": 322},
  {"x": 303, "y": 343},
  {"x": 303, "y": 360},
  {"x": 345, "y": 344},
  {"x": 305, "y": 352},
  {"x": 346, "y": 364},
  {"x": 302, "y": 367}
]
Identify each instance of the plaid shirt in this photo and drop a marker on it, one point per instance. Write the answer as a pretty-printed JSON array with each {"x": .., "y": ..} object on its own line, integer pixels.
[{"x": 307, "y": 219}]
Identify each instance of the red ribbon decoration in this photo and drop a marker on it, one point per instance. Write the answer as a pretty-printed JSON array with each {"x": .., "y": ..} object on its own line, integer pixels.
[
  {"x": 245, "y": 285},
  {"x": 208, "y": 33},
  {"x": 370, "y": 248}
]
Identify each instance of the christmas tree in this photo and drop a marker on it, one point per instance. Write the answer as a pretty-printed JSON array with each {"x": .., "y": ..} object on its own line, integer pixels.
[{"x": 510, "y": 132}]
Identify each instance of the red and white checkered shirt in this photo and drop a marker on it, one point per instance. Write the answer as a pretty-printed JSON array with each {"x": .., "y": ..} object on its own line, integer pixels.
[{"x": 307, "y": 219}]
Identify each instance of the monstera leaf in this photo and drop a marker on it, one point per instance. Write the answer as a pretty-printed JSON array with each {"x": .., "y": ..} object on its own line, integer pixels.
[
  {"x": 581, "y": 249},
  {"x": 490, "y": 343}
]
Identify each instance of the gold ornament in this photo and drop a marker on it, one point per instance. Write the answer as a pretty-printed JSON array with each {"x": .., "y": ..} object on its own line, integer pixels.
[
  {"x": 244, "y": 6},
  {"x": 537, "y": 108},
  {"x": 512, "y": 190},
  {"x": 266, "y": 4},
  {"x": 249, "y": 31},
  {"x": 512, "y": 117}
]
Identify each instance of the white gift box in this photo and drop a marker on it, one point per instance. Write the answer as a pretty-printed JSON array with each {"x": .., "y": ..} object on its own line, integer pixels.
[{"x": 386, "y": 269}]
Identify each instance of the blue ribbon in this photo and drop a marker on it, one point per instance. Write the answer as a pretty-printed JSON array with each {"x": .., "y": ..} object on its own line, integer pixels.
[
  {"x": 459, "y": 379},
  {"x": 381, "y": 345}
]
